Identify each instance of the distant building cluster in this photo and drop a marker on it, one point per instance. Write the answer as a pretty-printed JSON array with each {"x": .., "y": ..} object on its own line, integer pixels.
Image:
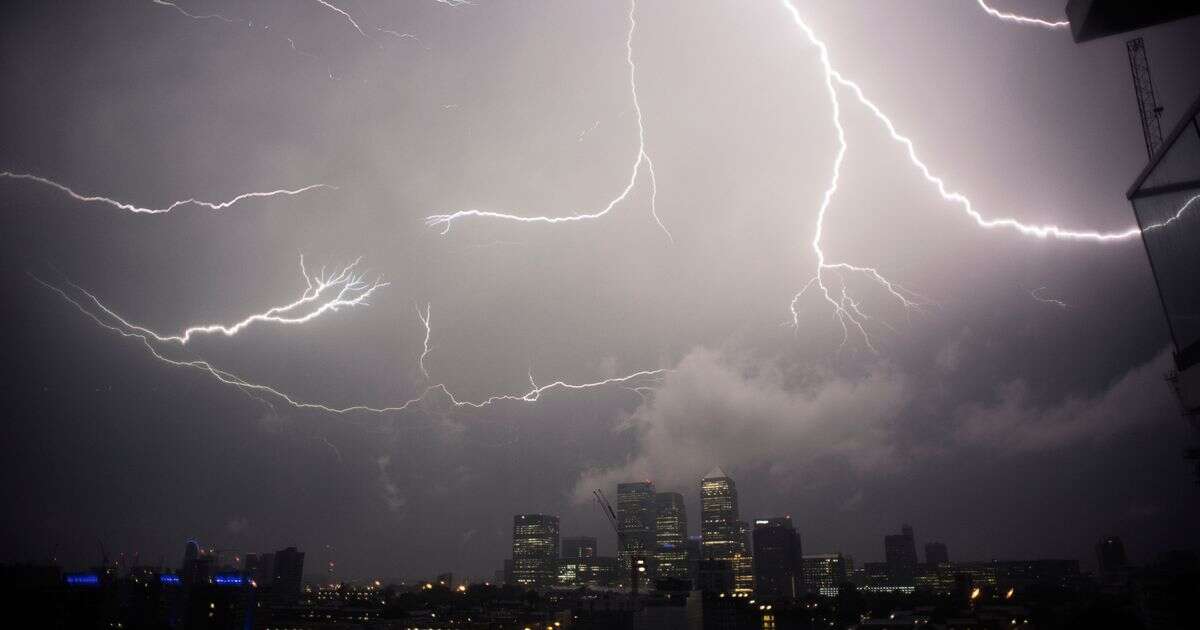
[
  {"x": 735, "y": 575},
  {"x": 762, "y": 558}
]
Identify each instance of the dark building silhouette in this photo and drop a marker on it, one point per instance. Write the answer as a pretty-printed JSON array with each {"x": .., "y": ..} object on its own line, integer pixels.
[
  {"x": 1166, "y": 203},
  {"x": 1091, "y": 19},
  {"x": 778, "y": 572},
  {"x": 1110, "y": 555},
  {"x": 288, "y": 576},
  {"x": 936, "y": 553},
  {"x": 715, "y": 576},
  {"x": 535, "y": 550},
  {"x": 900, "y": 552}
]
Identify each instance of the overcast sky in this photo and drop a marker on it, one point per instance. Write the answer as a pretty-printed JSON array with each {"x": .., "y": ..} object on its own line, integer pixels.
[{"x": 1003, "y": 425}]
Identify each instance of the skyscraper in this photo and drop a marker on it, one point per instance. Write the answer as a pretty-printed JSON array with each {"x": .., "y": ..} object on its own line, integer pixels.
[
  {"x": 289, "y": 575},
  {"x": 936, "y": 553},
  {"x": 670, "y": 536},
  {"x": 900, "y": 551},
  {"x": 535, "y": 550},
  {"x": 720, "y": 533},
  {"x": 777, "y": 558},
  {"x": 743, "y": 562},
  {"x": 635, "y": 526},
  {"x": 722, "y": 536}
]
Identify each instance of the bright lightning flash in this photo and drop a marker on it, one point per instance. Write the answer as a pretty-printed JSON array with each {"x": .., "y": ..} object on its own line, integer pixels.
[
  {"x": 108, "y": 319},
  {"x": 830, "y": 275},
  {"x": 1021, "y": 19},
  {"x": 129, "y": 207},
  {"x": 324, "y": 293},
  {"x": 444, "y": 221}
]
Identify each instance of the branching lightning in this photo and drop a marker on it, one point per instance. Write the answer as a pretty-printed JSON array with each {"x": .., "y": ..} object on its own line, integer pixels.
[
  {"x": 845, "y": 309},
  {"x": 1021, "y": 19},
  {"x": 323, "y": 293},
  {"x": 106, "y": 318},
  {"x": 445, "y": 221},
  {"x": 129, "y": 207}
]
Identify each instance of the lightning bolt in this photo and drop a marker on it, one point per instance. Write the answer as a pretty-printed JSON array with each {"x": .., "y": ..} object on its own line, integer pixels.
[
  {"x": 1037, "y": 295},
  {"x": 399, "y": 35},
  {"x": 210, "y": 16},
  {"x": 219, "y": 205},
  {"x": 1020, "y": 19},
  {"x": 1173, "y": 218},
  {"x": 583, "y": 134},
  {"x": 348, "y": 289},
  {"x": 445, "y": 221},
  {"x": 106, "y": 318},
  {"x": 846, "y": 310},
  {"x": 348, "y": 17},
  {"x": 424, "y": 317}
]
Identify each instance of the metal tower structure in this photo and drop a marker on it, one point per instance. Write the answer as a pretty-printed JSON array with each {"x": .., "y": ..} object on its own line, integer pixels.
[{"x": 1143, "y": 88}]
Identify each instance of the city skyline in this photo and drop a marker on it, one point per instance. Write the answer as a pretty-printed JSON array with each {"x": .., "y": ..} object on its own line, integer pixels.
[{"x": 264, "y": 289}]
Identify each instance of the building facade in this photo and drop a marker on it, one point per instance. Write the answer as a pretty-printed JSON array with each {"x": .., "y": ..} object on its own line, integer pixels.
[
  {"x": 670, "y": 537},
  {"x": 823, "y": 573},
  {"x": 777, "y": 559},
  {"x": 900, "y": 552},
  {"x": 535, "y": 550},
  {"x": 936, "y": 553}
]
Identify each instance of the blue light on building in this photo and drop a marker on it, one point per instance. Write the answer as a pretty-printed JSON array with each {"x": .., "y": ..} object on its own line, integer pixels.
[
  {"x": 83, "y": 579},
  {"x": 229, "y": 579},
  {"x": 170, "y": 579}
]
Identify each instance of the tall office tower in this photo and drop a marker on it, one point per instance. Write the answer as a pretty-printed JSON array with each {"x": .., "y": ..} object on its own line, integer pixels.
[
  {"x": 936, "y": 553},
  {"x": 266, "y": 569},
  {"x": 635, "y": 527},
  {"x": 535, "y": 550},
  {"x": 824, "y": 572},
  {"x": 777, "y": 559},
  {"x": 289, "y": 575},
  {"x": 900, "y": 551},
  {"x": 190, "y": 552},
  {"x": 670, "y": 536},
  {"x": 187, "y": 570},
  {"x": 743, "y": 562},
  {"x": 720, "y": 531},
  {"x": 1110, "y": 554},
  {"x": 721, "y": 536}
]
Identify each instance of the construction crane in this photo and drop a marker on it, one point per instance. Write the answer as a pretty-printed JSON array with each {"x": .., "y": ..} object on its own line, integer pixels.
[
  {"x": 1143, "y": 88},
  {"x": 637, "y": 564}
]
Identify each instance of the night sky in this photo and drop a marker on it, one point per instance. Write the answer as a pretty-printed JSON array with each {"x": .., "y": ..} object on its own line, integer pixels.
[{"x": 1005, "y": 425}]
